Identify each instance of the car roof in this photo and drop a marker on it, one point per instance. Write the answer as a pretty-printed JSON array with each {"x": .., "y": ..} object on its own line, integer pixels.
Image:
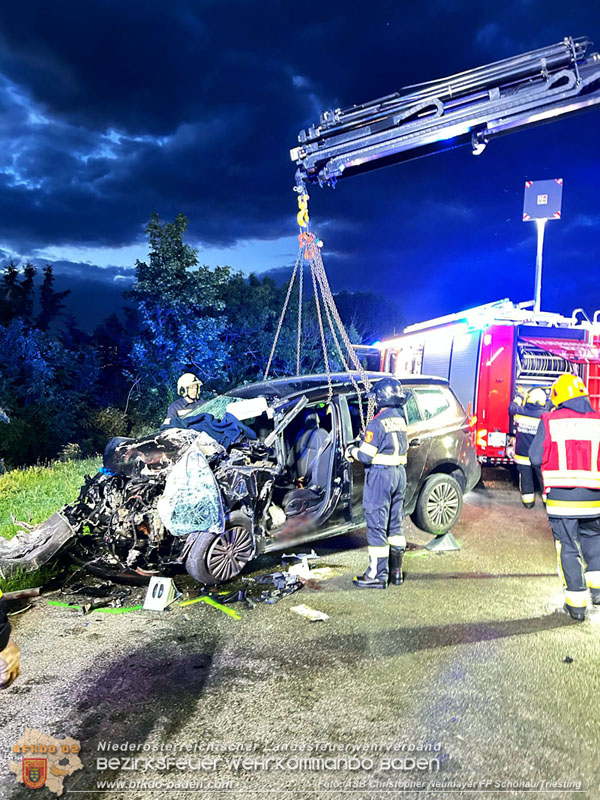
[{"x": 317, "y": 385}]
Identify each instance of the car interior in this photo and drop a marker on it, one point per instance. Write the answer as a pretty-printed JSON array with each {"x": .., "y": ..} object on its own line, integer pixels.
[{"x": 308, "y": 448}]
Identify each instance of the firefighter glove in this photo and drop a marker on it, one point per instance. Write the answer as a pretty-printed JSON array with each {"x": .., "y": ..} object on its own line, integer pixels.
[{"x": 10, "y": 659}]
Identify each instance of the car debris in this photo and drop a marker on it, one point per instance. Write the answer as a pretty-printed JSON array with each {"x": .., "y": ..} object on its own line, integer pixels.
[
  {"x": 181, "y": 499},
  {"x": 310, "y": 613}
]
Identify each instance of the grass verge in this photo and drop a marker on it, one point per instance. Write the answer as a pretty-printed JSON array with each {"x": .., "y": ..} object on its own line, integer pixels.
[{"x": 32, "y": 495}]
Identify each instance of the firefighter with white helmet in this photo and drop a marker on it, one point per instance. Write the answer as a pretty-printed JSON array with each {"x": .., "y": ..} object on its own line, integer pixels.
[
  {"x": 526, "y": 410},
  {"x": 188, "y": 401},
  {"x": 567, "y": 447},
  {"x": 383, "y": 452}
]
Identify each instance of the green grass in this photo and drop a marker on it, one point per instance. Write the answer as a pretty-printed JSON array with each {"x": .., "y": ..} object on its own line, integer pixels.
[{"x": 32, "y": 495}]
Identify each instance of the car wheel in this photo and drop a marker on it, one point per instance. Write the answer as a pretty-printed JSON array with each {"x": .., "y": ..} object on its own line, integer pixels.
[
  {"x": 439, "y": 505},
  {"x": 215, "y": 559}
]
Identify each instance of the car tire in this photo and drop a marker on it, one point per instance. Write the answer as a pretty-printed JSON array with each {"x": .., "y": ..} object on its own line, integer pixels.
[
  {"x": 439, "y": 505},
  {"x": 216, "y": 559}
]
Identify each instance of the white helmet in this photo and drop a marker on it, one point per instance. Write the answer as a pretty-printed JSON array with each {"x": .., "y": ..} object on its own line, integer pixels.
[
  {"x": 186, "y": 382},
  {"x": 537, "y": 396}
]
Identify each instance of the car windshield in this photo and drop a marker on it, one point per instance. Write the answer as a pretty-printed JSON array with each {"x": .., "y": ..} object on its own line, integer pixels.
[{"x": 218, "y": 405}]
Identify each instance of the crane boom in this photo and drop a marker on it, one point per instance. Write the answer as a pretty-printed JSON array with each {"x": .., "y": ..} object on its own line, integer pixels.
[{"x": 470, "y": 107}]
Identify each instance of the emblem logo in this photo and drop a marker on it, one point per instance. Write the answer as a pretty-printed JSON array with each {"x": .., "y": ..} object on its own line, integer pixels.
[{"x": 35, "y": 772}]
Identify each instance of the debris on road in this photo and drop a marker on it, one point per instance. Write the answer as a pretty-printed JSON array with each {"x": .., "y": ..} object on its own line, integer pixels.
[
  {"x": 310, "y": 613},
  {"x": 205, "y": 599}
]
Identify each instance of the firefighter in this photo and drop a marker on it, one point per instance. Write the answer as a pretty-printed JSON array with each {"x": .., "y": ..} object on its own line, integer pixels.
[
  {"x": 383, "y": 452},
  {"x": 527, "y": 410},
  {"x": 10, "y": 655},
  {"x": 567, "y": 447},
  {"x": 188, "y": 401}
]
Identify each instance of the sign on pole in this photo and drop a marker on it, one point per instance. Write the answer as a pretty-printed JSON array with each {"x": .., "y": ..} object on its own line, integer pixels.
[{"x": 542, "y": 201}]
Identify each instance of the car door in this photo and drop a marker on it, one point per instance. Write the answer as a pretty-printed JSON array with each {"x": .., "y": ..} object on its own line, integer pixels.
[{"x": 419, "y": 441}]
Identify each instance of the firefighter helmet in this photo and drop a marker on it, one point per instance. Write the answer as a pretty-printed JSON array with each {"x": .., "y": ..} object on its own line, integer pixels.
[
  {"x": 186, "y": 382},
  {"x": 537, "y": 396},
  {"x": 567, "y": 387},
  {"x": 388, "y": 392}
]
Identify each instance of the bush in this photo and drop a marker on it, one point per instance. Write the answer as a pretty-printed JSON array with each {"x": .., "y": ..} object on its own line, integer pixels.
[{"x": 101, "y": 425}]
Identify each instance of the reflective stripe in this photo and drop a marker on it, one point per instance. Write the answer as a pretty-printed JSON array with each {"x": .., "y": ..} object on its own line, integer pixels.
[
  {"x": 368, "y": 449},
  {"x": 185, "y": 412},
  {"x": 378, "y": 550},
  {"x": 561, "y": 574},
  {"x": 526, "y": 424},
  {"x": 577, "y": 599},
  {"x": 573, "y": 508},
  {"x": 354, "y": 453},
  {"x": 522, "y": 459},
  {"x": 167, "y": 421},
  {"x": 397, "y": 540},
  {"x": 571, "y": 478},
  {"x": 592, "y": 579},
  {"x": 388, "y": 460},
  {"x": 528, "y": 498},
  {"x": 0, "y": 592}
]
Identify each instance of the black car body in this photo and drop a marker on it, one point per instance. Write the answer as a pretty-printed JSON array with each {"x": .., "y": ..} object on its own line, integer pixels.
[
  {"x": 178, "y": 498},
  {"x": 441, "y": 466}
]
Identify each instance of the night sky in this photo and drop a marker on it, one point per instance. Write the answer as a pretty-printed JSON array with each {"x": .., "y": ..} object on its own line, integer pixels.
[{"x": 114, "y": 110}]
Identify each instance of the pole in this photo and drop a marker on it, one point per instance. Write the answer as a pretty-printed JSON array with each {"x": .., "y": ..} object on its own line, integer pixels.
[{"x": 541, "y": 224}]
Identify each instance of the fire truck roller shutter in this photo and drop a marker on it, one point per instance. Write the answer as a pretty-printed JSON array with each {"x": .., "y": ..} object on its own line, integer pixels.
[
  {"x": 436, "y": 355},
  {"x": 463, "y": 367}
]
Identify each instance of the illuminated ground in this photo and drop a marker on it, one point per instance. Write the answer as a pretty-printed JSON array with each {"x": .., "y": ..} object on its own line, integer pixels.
[{"x": 466, "y": 661}]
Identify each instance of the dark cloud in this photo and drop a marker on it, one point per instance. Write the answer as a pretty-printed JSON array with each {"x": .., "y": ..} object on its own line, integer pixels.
[{"x": 111, "y": 111}]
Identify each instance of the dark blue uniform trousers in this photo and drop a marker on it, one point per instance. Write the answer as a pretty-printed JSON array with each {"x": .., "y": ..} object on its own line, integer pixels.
[
  {"x": 578, "y": 543},
  {"x": 383, "y": 501}
]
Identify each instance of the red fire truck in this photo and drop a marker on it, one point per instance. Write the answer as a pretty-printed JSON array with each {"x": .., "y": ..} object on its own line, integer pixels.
[{"x": 490, "y": 351}]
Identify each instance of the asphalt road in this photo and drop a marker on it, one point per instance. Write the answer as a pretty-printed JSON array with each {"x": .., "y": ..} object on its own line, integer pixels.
[{"x": 467, "y": 681}]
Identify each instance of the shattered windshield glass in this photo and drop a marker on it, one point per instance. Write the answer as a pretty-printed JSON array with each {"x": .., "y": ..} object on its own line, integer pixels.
[
  {"x": 218, "y": 405},
  {"x": 191, "y": 500}
]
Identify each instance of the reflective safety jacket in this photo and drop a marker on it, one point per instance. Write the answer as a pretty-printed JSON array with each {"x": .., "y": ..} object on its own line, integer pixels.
[
  {"x": 384, "y": 443},
  {"x": 4, "y": 624},
  {"x": 527, "y": 419},
  {"x": 567, "y": 447}
]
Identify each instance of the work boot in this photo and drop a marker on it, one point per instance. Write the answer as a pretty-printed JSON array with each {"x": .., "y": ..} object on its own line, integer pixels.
[
  {"x": 396, "y": 576},
  {"x": 578, "y": 613},
  {"x": 365, "y": 582},
  {"x": 527, "y": 502}
]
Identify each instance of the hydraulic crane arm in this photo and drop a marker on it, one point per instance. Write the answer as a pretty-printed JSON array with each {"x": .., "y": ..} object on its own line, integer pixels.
[{"x": 471, "y": 107}]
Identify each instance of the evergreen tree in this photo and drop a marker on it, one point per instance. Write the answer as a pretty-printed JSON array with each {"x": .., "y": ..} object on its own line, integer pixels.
[
  {"x": 27, "y": 292},
  {"x": 51, "y": 302}
]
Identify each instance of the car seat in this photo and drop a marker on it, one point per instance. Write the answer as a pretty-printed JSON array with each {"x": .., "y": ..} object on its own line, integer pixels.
[{"x": 310, "y": 462}]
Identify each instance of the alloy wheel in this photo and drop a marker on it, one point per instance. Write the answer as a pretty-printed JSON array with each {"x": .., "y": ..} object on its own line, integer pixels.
[
  {"x": 443, "y": 504},
  {"x": 229, "y": 553}
]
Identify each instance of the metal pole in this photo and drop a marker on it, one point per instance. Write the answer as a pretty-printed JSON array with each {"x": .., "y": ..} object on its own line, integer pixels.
[{"x": 541, "y": 224}]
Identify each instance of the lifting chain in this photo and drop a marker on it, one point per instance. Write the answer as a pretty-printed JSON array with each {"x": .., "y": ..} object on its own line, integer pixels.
[{"x": 310, "y": 251}]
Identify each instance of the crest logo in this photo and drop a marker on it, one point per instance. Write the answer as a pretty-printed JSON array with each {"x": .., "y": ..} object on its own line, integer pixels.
[
  {"x": 35, "y": 772},
  {"x": 42, "y": 760}
]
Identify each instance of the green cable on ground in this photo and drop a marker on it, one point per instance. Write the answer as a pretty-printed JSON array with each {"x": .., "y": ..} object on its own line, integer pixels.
[
  {"x": 213, "y": 603},
  {"x": 102, "y": 610}
]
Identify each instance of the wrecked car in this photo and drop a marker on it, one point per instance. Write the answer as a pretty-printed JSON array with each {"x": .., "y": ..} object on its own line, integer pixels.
[{"x": 181, "y": 499}]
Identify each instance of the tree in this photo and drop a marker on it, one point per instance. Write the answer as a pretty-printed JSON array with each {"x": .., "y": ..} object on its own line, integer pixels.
[
  {"x": 51, "y": 302},
  {"x": 181, "y": 317},
  {"x": 9, "y": 293}
]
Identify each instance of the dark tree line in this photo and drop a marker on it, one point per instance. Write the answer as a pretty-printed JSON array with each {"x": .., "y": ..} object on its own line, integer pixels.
[{"x": 61, "y": 386}]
